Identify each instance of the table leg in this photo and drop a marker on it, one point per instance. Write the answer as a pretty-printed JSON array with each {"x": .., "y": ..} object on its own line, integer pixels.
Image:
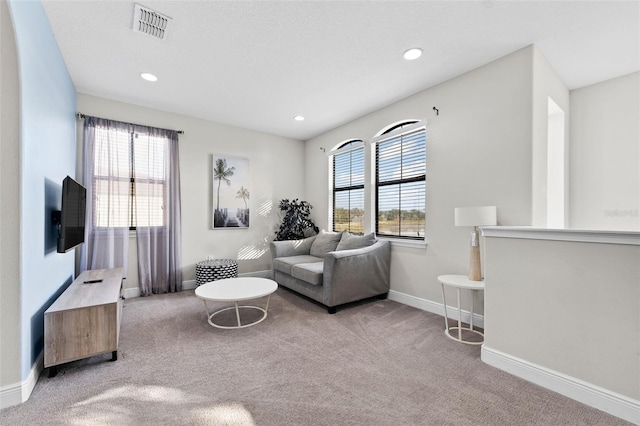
[
  {"x": 238, "y": 315},
  {"x": 459, "y": 316},
  {"x": 206, "y": 308},
  {"x": 267, "y": 307},
  {"x": 444, "y": 302},
  {"x": 473, "y": 297}
]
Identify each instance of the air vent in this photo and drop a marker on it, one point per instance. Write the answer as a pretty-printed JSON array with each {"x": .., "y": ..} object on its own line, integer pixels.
[{"x": 150, "y": 22}]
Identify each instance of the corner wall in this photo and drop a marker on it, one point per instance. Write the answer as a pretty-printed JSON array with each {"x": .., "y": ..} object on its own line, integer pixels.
[
  {"x": 605, "y": 155},
  {"x": 10, "y": 212},
  {"x": 47, "y": 97},
  {"x": 478, "y": 153},
  {"x": 546, "y": 84}
]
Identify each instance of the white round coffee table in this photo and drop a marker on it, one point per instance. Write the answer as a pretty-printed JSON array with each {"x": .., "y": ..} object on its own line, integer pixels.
[{"x": 236, "y": 290}]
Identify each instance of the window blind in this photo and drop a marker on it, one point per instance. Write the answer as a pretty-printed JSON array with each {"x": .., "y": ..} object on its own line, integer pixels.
[
  {"x": 348, "y": 188},
  {"x": 401, "y": 184}
]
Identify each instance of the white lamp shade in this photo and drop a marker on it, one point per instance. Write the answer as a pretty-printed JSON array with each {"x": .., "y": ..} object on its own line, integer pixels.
[{"x": 475, "y": 216}]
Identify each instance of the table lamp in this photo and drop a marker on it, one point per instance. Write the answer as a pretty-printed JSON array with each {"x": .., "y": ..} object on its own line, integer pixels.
[{"x": 475, "y": 216}]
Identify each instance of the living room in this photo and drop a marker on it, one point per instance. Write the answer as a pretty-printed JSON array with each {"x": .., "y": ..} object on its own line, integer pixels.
[{"x": 484, "y": 140}]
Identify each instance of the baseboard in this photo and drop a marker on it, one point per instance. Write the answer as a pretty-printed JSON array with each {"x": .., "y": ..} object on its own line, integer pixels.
[
  {"x": 594, "y": 396},
  {"x": 435, "y": 308},
  {"x": 130, "y": 293},
  {"x": 191, "y": 284},
  {"x": 18, "y": 393}
]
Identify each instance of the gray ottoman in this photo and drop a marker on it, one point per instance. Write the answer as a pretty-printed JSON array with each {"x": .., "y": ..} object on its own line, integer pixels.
[{"x": 216, "y": 269}]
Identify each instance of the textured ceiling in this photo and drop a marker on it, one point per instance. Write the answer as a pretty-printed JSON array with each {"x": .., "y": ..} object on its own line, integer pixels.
[{"x": 258, "y": 64}]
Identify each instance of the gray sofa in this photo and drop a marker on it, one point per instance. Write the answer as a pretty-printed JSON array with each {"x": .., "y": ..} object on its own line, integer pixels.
[{"x": 333, "y": 268}]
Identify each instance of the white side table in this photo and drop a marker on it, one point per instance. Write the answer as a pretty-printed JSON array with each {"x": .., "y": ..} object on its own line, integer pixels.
[{"x": 460, "y": 282}]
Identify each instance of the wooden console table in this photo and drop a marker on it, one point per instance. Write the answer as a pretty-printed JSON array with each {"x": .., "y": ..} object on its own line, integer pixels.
[{"x": 85, "y": 320}]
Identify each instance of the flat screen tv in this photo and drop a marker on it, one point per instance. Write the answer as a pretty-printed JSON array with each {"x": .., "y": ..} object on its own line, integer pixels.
[{"x": 71, "y": 222}]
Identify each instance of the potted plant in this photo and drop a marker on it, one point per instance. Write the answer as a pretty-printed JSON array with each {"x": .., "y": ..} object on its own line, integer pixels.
[{"x": 295, "y": 223}]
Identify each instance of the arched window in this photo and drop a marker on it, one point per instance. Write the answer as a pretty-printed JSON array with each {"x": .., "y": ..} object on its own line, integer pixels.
[
  {"x": 348, "y": 187},
  {"x": 400, "y": 178}
]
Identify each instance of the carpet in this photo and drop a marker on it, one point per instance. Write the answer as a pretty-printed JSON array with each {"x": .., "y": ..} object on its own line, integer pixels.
[{"x": 372, "y": 363}]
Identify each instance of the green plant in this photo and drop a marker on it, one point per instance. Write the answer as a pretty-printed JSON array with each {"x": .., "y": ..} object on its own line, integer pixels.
[{"x": 295, "y": 222}]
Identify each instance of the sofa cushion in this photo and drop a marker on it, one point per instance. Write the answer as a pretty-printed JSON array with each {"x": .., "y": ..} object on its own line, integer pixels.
[
  {"x": 350, "y": 241},
  {"x": 284, "y": 264},
  {"x": 324, "y": 243},
  {"x": 308, "y": 272}
]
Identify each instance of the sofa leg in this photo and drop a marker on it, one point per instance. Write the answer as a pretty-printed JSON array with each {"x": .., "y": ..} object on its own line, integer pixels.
[
  {"x": 383, "y": 296},
  {"x": 331, "y": 309}
]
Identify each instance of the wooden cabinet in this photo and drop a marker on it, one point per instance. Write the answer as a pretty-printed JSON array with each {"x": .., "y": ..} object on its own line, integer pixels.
[{"x": 85, "y": 320}]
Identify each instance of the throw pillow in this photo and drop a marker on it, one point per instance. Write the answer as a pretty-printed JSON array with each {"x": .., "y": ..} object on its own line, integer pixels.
[
  {"x": 350, "y": 241},
  {"x": 324, "y": 243}
]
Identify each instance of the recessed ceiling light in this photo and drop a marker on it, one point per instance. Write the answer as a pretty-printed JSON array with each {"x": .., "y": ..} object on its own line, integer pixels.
[
  {"x": 298, "y": 118},
  {"x": 413, "y": 53},
  {"x": 148, "y": 76}
]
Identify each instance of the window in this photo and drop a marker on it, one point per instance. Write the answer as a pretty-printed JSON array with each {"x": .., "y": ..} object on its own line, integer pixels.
[
  {"x": 129, "y": 177},
  {"x": 400, "y": 172},
  {"x": 348, "y": 187}
]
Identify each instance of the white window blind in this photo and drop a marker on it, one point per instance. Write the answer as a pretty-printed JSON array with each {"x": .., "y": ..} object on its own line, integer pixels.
[
  {"x": 348, "y": 188},
  {"x": 400, "y": 162},
  {"x": 129, "y": 181}
]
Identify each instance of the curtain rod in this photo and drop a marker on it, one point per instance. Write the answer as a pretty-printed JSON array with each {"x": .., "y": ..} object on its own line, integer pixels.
[{"x": 80, "y": 116}]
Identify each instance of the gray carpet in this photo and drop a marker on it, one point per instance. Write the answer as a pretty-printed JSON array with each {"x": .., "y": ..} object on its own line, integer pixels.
[{"x": 376, "y": 363}]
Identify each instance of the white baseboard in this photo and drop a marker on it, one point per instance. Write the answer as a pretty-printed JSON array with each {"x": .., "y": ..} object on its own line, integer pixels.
[
  {"x": 587, "y": 393},
  {"x": 435, "y": 307},
  {"x": 191, "y": 284},
  {"x": 18, "y": 393},
  {"x": 130, "y": 293}
]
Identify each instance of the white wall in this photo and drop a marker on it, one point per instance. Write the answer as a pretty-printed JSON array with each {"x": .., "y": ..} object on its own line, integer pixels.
[
  {"x": 569, "y": 308},
  {"x": 546, "y": 84},
  {"x": 276, "y": 167},
  {"x": 605, "y": 155},
  {"x": 478, "y": 153},
  {"x": 10, "y": 212}
]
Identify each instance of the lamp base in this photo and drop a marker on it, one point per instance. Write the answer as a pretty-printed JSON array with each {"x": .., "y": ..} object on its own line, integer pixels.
[{"x": 475, "y": 273}]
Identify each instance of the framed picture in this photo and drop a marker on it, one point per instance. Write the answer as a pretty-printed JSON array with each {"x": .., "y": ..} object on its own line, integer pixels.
[{"x": 231, "y": 192}]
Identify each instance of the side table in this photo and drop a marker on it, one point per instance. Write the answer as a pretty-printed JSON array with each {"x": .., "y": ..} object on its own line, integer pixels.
[
  {"x": 215, "y": 269},
  {"x": 460, "y": 282}
]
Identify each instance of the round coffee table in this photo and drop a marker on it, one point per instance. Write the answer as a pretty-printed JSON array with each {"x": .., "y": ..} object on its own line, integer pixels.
[{"x": 236, "y": 290}]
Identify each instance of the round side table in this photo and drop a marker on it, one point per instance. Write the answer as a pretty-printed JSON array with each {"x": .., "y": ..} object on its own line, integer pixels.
[
  {"x": 460, "y": 282},
  {"x": 216, "y": 269}
]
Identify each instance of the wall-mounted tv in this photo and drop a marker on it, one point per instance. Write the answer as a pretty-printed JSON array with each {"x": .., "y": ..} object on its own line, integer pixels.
[{"x": 70, "y": 220}]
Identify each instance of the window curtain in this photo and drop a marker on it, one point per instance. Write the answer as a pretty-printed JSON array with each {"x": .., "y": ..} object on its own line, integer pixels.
[
  {"x": 106, "y": 171},
  {"x": 132, "y": 177},
  {"x": 157, "y": 210}
]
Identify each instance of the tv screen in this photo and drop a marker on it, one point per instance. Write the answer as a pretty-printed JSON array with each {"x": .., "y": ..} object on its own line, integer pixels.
[{"x": 74, "y": 202}]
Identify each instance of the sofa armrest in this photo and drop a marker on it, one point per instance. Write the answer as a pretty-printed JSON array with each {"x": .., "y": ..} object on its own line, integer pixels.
[
  {"x": 356, "y": 274},
  {"x": 291, "y": 247}
]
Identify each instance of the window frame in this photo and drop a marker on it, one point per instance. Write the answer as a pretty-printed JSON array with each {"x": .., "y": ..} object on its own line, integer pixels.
[
  {"x": 396, "y": 130},
  {"x": 132, "y": 136},
  {"x": 347, "y": 147}
]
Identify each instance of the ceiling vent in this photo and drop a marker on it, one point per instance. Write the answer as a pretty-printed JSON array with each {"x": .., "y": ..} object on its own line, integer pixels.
[{"x": 150, "y": 22}]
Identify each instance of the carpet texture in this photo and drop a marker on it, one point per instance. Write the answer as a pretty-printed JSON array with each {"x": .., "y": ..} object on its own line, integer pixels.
[{"x": 374, "y": 363}]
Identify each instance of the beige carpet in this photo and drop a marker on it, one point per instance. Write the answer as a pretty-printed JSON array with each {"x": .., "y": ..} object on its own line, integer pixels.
[{"x": 376, "y": 363}]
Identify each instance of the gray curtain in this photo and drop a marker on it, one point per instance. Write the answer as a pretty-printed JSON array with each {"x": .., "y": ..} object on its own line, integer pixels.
[
  {"x": 106, "y": 171},
  {"x": 157, "y": 210},
  {"x": 114, "y": 152}
]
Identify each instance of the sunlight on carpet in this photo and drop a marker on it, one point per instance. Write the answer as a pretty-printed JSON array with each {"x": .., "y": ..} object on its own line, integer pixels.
[
  {"x": 139, "y": 393},
  {"x": 229, "y": 413}
]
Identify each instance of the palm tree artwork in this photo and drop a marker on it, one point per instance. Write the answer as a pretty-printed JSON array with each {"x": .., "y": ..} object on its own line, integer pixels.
[
  {"x": 243, "y": 193},
  {"x": 229, "y": 211},
  {"x": 222, "y": 173}
]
